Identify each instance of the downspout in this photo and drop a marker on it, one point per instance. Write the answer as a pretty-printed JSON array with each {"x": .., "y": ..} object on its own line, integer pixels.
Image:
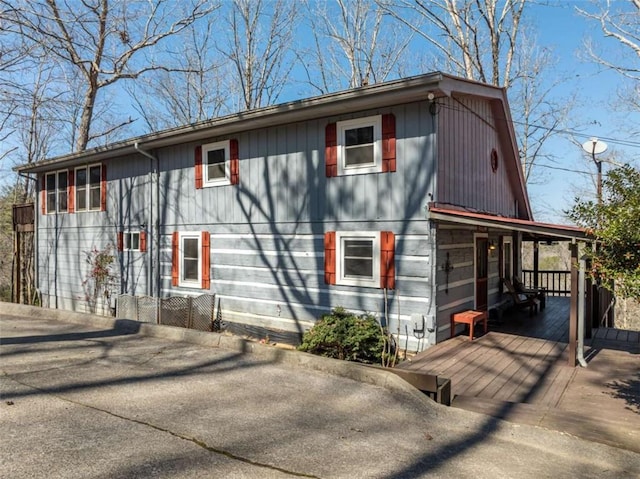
[
  {"x": 151, "y": 224},
  {"x": 581, "y": 298}
]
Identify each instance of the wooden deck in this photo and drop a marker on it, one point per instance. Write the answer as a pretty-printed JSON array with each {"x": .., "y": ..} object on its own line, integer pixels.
[{"x": 518, "y": 371}]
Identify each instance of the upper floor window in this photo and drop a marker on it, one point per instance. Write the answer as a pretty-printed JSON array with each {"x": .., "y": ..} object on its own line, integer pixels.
[
  {"x": 217, "y": 164},
  {"x": 88, "y": 186},
  {"x": 79, "y": 189},
  {"x": 57, "y": 194},
  {"x": 359, "y": 148},
  {"x": 361, "y": 145}
]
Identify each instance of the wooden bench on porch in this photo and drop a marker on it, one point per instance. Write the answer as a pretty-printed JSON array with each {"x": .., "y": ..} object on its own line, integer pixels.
[{"x": 469, "y": 317}]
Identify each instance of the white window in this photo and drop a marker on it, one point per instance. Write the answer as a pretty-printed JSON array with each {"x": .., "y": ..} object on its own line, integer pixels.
[
  {"x": 57, "y": 192},
  {"x": 216, "y": 164},
  {"x": 360, "y": 145},
  {"x": 131, "y": 241},
  {"x": 190, "y": 261},
  {"x": 88, "y": 186},
  {"x": 358, "y": 258}
]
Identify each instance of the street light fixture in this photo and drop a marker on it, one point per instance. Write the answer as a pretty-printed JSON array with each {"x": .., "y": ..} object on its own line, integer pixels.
[{"x": 595, "y": 147}]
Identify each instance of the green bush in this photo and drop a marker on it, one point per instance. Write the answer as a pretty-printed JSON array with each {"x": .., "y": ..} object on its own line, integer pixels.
[{"x": 344, "y": 335}]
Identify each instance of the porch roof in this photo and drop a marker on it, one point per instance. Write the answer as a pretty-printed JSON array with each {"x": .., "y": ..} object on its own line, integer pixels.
[{"x": 531, "y": 230}]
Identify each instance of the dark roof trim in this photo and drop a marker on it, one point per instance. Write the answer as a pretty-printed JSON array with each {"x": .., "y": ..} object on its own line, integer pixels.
[
  {"x": 534, "y": 230},
  {"x": 369, "y": 97}
]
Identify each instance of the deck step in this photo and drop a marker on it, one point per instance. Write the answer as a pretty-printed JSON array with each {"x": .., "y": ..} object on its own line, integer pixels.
[
  {"x": 521, "y": 413},
  {"x": 585, "y": 425}
]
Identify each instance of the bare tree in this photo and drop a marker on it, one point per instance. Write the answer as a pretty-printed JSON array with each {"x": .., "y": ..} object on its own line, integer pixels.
[
  {"x": 620, "y": 22},
  {"x": 193, "y": 93},
  {"x": 536, "y": 115},
  {"x": 103, "y": 41},
  {"x": 354, "y": 44},
  {"x": 259, "y": 48},
  {"x": 475, "y": 38},
  {"x": 485, "y": 40}
]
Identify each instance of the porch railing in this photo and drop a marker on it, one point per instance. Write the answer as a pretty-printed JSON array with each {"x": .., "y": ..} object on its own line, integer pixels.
[{"x": 557, "y": 282}]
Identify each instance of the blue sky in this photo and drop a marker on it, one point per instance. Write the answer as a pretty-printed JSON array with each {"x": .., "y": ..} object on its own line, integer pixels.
[{"x": 596, "y": 113}]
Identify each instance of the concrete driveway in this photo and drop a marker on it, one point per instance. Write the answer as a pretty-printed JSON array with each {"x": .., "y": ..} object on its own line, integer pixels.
[{"x": 99, "y": 400}]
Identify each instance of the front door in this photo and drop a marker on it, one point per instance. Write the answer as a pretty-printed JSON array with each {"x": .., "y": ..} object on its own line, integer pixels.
[{"x": 482, "y": 272}]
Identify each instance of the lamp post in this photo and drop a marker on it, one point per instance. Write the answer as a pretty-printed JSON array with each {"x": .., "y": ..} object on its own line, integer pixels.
[{"x": 595, "y": 147}]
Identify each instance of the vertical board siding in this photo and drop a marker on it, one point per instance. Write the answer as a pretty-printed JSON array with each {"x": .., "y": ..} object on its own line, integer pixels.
[
  {"x": 266, "y": 232},
  {"x": 466, "y": 136}
]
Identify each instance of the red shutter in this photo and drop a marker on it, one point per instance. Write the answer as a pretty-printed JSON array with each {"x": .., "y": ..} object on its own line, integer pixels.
[
  {"x": 143, "y": 241},
  {"x": 331, "y": 150},
  {"x": 234, "y": 162},
  {"x": 387, "y": 260},
  {"x": 388, "y": 142},
  {"x": 71, "y": 191},
  {"x": 120, "y": 240},
  {"x": 175, "y": 258},
  {"x": 330, "y": 257},
  {"x": 206, "y": 261},
  {"x": 103, "y": 189},
  {"x": 198, "y": 163},
  {"x": 43, "y": 195}
]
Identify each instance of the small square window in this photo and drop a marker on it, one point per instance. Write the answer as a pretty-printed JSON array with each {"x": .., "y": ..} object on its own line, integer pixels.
[
  {"x": 131, "y": 241},
  {"x": 358, "y": 258},
  {"x": 216, "y": 164},
  {"x": 359, "y": 146}
]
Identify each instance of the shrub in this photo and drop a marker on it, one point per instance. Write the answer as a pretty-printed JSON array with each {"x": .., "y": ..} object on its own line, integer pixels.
[{"x": 344, "y": 335}]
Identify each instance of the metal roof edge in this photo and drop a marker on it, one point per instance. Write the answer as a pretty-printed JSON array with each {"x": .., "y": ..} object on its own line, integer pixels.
[
  {"x": 372, "y": 96},
  {"x": 502, "y": 222},
  {"x": 378, "y": 95}
]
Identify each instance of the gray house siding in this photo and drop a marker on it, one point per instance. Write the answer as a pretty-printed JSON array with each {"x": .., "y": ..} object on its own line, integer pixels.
[
  {"x": 467, "y": 134},
  {"x": 267, "y": 252},
  {"x": 456, "y": 290}
]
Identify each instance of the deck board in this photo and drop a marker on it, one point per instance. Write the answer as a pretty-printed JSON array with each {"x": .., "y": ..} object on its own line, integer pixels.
[{"x": 519, "y": 371}]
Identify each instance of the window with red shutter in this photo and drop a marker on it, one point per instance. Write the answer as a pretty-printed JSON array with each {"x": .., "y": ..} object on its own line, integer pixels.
[
  {"x": 143, "y": 241},
  {"x": 191, "y": 259},
  {"x": 120, "y": 242},
  {"x": 360, "y": 258},
  {"x": 218, "y": 164},
  {"x": 361, "y": 145}
]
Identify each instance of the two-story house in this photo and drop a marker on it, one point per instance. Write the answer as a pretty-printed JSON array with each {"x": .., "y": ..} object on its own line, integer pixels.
[{"x": 405, "y": 199}]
